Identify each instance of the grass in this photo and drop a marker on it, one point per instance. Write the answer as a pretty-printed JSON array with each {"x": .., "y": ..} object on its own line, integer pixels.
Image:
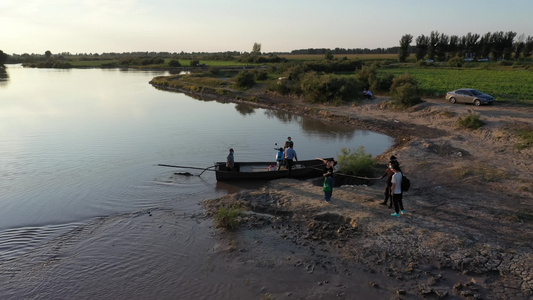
[
  {"x": 504, "y": 83},
  {"x": 355, "y": 162},
  {"x": 485, "y": 173},
  {"x": 527, "y": 138},
  {"x": 228, "y": 218},
  {"x": 470, "y": 121}
]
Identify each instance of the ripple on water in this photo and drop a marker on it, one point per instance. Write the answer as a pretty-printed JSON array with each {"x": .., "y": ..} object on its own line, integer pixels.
[{"x": 146, "y": 254}]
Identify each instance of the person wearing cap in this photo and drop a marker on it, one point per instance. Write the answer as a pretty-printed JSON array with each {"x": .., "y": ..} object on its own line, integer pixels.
[{"x": 230, "y": 162}]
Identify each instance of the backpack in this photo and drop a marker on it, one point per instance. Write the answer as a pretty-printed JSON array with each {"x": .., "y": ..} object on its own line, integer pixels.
[{"x": 406, "y": 183}]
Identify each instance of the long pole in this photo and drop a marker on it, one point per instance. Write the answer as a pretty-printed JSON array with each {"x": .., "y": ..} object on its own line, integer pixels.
[{"x": 185, "y": 167}]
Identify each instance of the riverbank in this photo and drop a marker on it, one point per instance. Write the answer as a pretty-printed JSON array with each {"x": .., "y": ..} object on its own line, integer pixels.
[{"x": 468, "y": 228}]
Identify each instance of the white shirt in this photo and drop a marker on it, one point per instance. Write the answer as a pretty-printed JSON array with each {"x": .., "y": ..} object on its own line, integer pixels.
[{"x": 397, "y": 181}]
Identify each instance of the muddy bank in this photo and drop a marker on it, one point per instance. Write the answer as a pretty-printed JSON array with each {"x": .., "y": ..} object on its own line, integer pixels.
[{"x": 468, "y": 229}]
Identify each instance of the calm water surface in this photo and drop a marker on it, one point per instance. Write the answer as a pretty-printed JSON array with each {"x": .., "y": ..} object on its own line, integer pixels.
[{"x": 79, "y": 149}]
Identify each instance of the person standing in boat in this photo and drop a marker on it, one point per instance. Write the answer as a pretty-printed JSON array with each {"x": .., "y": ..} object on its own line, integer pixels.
[
  {"x": 279, "y": 158},
  {"x": 288, "y": 143},
  {"x": 290, "y": 157},
  {"x": 230, "y": 161}
]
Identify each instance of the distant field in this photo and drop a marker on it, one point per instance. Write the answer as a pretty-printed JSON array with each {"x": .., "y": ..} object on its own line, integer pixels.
[
  {"x": 508, "y": 84},
  {"x": 340, "y": 56},
  {"x": 90, "y": 63}
]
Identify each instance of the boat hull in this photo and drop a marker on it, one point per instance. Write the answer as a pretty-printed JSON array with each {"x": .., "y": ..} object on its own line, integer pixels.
[{"x": 260, "y": 170}]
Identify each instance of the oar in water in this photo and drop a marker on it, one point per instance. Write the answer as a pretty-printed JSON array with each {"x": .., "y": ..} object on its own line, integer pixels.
[{"x": 185, "y": 167}]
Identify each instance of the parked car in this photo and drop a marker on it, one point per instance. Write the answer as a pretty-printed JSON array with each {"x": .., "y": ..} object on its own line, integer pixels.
[{"x": 469, "y": 96}]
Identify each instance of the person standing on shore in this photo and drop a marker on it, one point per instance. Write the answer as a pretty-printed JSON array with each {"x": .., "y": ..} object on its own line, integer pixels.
[
  {"x": 328, "y": 178},
  {"x": 397, "y": 191},
  {"x": 230, "y": 161},
  {"x": 388, "y": 184},
  {"x": 290, "y": 156}
]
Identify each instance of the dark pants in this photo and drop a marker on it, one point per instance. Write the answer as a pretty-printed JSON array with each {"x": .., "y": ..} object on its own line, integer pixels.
[
  {"x": 290, "y": 163},
  {"x": 398, "y": 203},
  {"x": 388, "y": 194},
  {"x": 280, "y": 164}
]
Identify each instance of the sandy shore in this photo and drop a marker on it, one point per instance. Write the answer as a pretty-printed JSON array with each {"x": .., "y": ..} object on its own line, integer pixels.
[{"x": 468, "y": 229}]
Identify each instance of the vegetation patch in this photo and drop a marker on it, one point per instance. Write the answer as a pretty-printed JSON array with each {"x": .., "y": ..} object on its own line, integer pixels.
[
  {"x": 505, "y": 84},
  {"x": 471, "y": 121},
  {"x": 228, "y": 217},
  {"x": 356, "y": 162},
  {"x": 527, "y": 138},
  {"x": 483, "y": 172},
  {"x": 405, "y": 91}
]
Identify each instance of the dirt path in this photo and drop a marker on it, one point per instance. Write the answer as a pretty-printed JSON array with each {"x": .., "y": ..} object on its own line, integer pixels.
[{"x": 468, "y": 229}]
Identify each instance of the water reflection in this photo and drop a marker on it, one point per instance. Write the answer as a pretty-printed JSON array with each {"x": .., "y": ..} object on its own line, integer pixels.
[
  {"x": 245, "y": 109},
  {"x": 4, "y": 77},
  {"x": 281, "y": 115}
]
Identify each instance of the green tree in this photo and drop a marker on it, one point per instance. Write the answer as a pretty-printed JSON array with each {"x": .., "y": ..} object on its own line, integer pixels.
[
  {"x": 256, "y": 50},
  {"x": 329, "y": 55},
  {"x": 403, "y": 52},
  {"x": 3, "y": 58},
  {"x": 518, "y": 46},
  {"x": 432, "y": 46},
  {"x": 528, "y": 48},
  {"x": 422, "y": 43},
  {"x": 47, "y": 54}
]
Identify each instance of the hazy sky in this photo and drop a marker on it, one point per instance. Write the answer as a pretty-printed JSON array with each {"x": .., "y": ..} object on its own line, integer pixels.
[{"x": 97, "y": 26}]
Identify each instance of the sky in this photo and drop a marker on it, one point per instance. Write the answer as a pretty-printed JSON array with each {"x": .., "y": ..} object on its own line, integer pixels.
[{"x": 100, "y": 26}]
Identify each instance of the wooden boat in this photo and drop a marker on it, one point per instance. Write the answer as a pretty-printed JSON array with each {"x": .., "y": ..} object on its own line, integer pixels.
[{"x": 302, "y": 169}]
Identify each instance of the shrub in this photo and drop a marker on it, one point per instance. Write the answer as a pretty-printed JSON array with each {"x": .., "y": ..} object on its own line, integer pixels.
[
  {"x": 174, "y": 63},
  {"x": 405, "y": 91},
  {"x": 261, "y": 75},
  {"x": 367, "y": 75},
  {"x": 194, "y": 62},
  {"x": 228, "y": 218},
  {"x": 456, "y": 62},
  {"x": 332, "y": 66},
  {"x": 245, "y": 79},
  {"x": 470, "y": 121},
  {"x": 329, "y": 88},
  {"x": 355, "y": 162},
  {"x": 382, "y": 83},
  {"x": 214, "y": 70}
]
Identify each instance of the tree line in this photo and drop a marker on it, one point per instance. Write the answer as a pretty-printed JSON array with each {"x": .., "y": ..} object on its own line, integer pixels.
[{"x": 441, "y": 47}]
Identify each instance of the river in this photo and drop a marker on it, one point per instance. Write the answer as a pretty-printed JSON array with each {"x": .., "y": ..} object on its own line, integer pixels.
[{"x": 79, "y": 150}]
